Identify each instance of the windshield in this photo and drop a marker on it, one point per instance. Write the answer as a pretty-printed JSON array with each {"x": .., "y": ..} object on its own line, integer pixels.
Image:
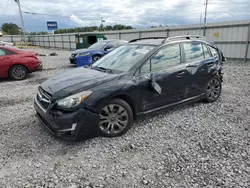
[
  {"x": 99, "y": 45},
  {"x": 124, "y": 57}
]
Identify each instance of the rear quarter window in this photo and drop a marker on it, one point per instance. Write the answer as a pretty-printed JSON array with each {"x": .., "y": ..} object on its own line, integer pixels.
[
  {"x": 206, "y": 51},
  {"x": 2, "y": 53},
  {"x": 213, "y": 52},
  {"x": 6, "y": 52}
]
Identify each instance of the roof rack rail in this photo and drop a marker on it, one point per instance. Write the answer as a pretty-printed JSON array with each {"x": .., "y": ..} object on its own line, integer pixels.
[
  {"x": 134, "y": 40},
  {"x": 167, "y": 39},
  {"x": 185, "y": 37}
]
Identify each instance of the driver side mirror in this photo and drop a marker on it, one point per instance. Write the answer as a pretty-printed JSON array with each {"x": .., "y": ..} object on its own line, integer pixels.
[
  {"x": 153, "y": 84},
  {"x": 108, "y": 48},
  {"x": 149, "y": 77}
]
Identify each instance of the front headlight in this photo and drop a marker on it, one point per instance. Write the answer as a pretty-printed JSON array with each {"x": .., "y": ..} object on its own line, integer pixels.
[
  {"x": 84, "y": 54},
  {"x": 73, "y": 100}
]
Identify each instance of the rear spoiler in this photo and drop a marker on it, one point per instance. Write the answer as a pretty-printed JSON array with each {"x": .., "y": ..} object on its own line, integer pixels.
[{"x": 223, "y": 58}]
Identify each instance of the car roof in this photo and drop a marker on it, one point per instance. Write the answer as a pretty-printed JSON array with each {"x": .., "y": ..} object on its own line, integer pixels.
[
  {"x": 164, "y": 40},
  {"x": 109, "y": 40}
]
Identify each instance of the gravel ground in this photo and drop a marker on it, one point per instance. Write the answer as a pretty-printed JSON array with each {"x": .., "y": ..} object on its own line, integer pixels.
[{"x": 198, "y": 145}]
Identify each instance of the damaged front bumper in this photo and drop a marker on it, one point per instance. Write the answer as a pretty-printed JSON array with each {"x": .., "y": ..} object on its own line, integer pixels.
[
  {"x": 81, "y": 123},
  {"x": 72, "y": 60}
]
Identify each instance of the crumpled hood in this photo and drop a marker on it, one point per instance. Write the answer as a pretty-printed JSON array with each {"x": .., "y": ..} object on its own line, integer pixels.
[{"x": 74, "y": 81}]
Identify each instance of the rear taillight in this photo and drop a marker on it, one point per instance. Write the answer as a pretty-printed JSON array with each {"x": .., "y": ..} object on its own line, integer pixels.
[{"x": 36, "y": 56}]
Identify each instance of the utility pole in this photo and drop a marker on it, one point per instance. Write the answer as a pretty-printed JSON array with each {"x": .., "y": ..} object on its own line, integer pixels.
[
  {"x": 200, "y": 23},
  {"x": 101, "y": 26},
  {"x": 21, "y": 17},
  {"x": 205, "y": 18}
]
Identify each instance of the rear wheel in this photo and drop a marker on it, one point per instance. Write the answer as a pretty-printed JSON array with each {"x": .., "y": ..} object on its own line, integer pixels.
[
  {"x": 18, "y": 72},
  {"x": 116, "y": 118},
  {"x": 213, "y": 89}
]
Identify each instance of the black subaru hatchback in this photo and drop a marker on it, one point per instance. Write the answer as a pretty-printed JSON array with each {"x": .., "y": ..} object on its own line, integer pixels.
[{"x": 143, "y": 76}]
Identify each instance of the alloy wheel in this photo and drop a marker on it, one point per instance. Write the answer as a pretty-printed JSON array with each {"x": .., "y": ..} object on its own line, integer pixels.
[
  {"x": 113, "y": 119},
  {"x": 18, "y": 73},
  {"x": 95, "y": 58},
  {"x": 213, "y": 89}
]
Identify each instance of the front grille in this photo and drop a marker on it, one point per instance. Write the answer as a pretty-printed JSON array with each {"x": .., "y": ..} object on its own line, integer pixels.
[
  {"x": 48, "y": 95},
  {"x": 43, "y": 98},
  {"x": 46, "y": 123}
]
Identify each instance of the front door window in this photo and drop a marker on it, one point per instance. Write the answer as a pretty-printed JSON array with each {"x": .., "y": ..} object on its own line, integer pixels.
[{"x": 163, "y": 59}]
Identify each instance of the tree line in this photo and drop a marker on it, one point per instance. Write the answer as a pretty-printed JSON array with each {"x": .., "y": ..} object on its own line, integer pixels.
[
  {"x": 13, "y": 29},
  {"x": 93, "y": 28}
]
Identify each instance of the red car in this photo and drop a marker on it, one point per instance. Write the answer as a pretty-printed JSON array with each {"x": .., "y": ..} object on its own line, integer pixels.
[{"x": 17, "y": 63}]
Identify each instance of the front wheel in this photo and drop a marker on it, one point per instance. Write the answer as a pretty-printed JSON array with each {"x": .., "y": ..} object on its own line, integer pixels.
[
  {"x": 95, "y": 58},
  {"x": 116, "y": 118},
  {"x": 213, "y": 89}
]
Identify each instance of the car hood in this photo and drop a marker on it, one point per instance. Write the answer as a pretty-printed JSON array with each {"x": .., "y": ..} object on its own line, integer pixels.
[
  {"x": 86, "y": 50},
  {"x": 74, "y": 81}
]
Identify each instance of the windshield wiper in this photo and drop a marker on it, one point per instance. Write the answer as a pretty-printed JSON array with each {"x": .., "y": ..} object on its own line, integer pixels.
[{"x": 102, "y": 69}]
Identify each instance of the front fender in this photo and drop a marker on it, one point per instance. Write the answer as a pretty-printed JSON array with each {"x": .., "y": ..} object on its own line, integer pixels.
[
  {"x": 105, "y": 92},
  {"x": 98, "y": 53}
]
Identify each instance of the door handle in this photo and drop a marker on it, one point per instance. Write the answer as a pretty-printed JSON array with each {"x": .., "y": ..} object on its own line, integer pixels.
[
  {"x": 180, "y": 74},
  {"x": 192, "y": 66},
  {"x": 210, "y": 64}
]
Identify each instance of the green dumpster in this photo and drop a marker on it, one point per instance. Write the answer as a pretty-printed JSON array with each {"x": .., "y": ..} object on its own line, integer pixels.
[{"x": 86, "y": 40}]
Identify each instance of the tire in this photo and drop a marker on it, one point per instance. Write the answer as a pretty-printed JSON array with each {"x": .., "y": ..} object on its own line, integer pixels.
[
  {"x": 116, "y": 118},
  {"x": 18, "y": 72},
  {"x": 95, "y": 58},
  {"x": 213, "y": 89}
]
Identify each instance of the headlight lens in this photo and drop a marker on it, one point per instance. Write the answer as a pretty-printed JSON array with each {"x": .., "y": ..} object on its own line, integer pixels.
[
  {"x": 73, "y": 100},
  {"x": 84, "y": 54}
]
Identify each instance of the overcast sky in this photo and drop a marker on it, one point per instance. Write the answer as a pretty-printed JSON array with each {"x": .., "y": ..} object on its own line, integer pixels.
[{"x": 138, "y": 13}]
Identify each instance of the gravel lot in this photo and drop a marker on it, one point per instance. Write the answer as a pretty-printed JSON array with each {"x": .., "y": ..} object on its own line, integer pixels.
[{"x": 198, "y": 145}]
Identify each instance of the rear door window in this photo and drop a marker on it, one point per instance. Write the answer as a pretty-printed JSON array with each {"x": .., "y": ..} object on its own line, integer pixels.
[{"x": 193, "y": 52}]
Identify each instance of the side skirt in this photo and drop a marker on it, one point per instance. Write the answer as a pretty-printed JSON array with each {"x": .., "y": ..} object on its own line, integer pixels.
[{"x": 189, "y": 100}]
